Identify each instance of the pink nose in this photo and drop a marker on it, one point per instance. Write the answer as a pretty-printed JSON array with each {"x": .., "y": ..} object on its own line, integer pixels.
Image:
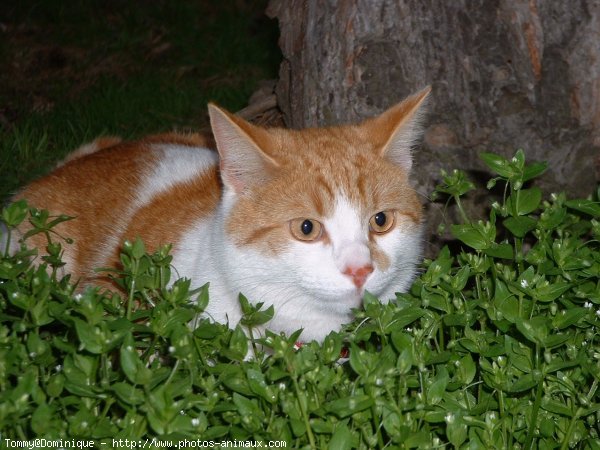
[{"x": 359, "y": 274}]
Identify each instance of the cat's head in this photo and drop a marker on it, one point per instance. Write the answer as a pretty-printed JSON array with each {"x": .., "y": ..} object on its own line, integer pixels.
[{"x": 315, "y": 217}]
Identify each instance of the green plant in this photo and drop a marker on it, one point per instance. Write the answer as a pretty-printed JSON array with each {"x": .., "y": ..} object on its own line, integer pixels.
[{"x": 494, "y": 347}]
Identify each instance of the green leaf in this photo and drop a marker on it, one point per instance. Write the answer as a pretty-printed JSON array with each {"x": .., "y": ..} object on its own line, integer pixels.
[
  {"x": 331, "y": 348},
  {"x": 438, "y": 268},
  {"x": 14, "y": 214},
  {"x": 132, "y": 365},
  {"x": 460, "y": 278},
  {"x": 202, "y": 299},
  {"x": 555, "y": 340},
  {"x": 556, "y": 407},
  {"x": 405, "y": 317},
  {"x": 347, "y": 406},
  {"x": 42, "y": 420},
  {"x": 358, "y": 360},
  {"x": 466, "y": 370},
  {"x": 208, "y": 330},
  {"x": 258, "y": 385},
  {"x": 55, "y": 385},
  {"x": 235, "y": 380},
  {"x": 587, "y": 206},
  {"x": 138, "y": 248},
  {"x": 91, "y": 337},
  {"x": 524, "y": 201},
  {"x": 568, "y": 317},
  {"x": 245, "y": 406},
  {"x": 392, "y": 422},
  {"x": 341, "y": 439},
  {"x": 502, "y": 251},
  {"x": 497, "y": 164},
  {"x": 534, "y": 170},
  {"x": 456, "y": 429},
  {"x": 436, "y": 391},
  {"x": 472, "y": 235},
  {"x": 506, "y": 302},
  {"x": 253, "y": 315},
  {"x": 524, "y": 383},
  {"x": 551, "y": 291},
  {"x": 519, "y": 226},
  {"x": 456, "y": 184},
  {"x": 536, "y": 329},
  {"x": 238, "y": 345},
  {"x": 128, "y": 393}
]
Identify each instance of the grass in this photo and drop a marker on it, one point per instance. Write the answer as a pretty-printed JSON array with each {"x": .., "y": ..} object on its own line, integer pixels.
[{"x": 71, "y": 71}]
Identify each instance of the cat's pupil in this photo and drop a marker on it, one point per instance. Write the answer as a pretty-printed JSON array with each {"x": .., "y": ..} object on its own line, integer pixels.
[
  {"x": 307, "y": 227},
  {"x": 380, "y": 219}
]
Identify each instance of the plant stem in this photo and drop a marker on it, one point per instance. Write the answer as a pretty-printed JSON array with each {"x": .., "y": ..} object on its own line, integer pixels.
[
  {"x": 501, "y": 407},
  {"x": 534, "y": 415},
  {"x": 173, "y": 371},
  {"x": 380, "y": 443},
  {"x": 134, "y": 274},
  {"x": 107, "y": 406},
  {"x": 461, "y": 210},
  {"x": 565, "y": 442},
  {"x": 7, "y": 248},
  {"x": 515, "y": 204},
  {"x": 300, "y": 396}
]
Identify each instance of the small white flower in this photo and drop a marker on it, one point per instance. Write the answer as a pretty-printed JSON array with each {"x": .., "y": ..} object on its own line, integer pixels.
[
  {"x": 171, "y": 349},
  {"x": 58, "y": 368},
  {"x": 195, "y": 422},
  {"x": 588, "y": 305},
  {"x": 598, "y": 313},
  {"x": 524, "y": 284}
]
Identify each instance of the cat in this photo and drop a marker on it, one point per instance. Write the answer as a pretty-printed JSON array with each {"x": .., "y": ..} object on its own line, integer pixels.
[{"x": 304, "y": 220}]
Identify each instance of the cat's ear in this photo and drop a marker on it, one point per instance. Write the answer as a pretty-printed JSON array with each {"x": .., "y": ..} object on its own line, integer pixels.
[
  {"x": 243, "y": 150},
  {"x": 399, "y": 128}
]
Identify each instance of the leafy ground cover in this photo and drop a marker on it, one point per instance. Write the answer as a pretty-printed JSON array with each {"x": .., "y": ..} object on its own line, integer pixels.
[{"x": 495, "y": 346}]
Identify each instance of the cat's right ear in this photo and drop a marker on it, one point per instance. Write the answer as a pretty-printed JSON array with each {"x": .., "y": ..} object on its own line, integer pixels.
[{"x": 241, "y": 146}]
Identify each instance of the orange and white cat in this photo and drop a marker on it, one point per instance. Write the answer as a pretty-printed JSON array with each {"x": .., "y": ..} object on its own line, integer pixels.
[{"x": 305, "y": 220}]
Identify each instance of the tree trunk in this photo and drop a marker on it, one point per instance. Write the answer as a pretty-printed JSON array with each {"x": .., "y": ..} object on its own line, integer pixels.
[{"x": 506, "y": 74}]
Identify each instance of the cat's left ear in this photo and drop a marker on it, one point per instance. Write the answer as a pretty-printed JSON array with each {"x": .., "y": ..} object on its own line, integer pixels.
[{"x": 396, "y": 130}]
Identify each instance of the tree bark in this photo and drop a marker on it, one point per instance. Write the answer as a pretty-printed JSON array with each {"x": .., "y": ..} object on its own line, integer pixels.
[{"x": 506, "y": 74}]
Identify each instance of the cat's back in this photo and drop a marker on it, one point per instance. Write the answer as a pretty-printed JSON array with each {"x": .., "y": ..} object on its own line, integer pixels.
[{"x": 151, "y": 188}]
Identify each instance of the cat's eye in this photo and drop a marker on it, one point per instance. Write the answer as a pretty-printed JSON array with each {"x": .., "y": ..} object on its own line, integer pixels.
[
  {"x": 306, "y": 229},
  {"x": 382, "y": 222}
]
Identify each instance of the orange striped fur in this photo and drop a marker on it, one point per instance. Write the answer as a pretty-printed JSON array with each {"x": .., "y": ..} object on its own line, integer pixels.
[{"x": 238, "y": 217}]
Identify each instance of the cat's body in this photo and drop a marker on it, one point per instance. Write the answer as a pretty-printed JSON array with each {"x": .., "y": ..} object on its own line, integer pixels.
[{"x": 303, "y": 220}]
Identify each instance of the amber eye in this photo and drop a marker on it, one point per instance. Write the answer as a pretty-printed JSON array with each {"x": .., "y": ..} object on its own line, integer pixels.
[
  {"x": 305, "y": 229},
  {"x": 382, "y": 222}
]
